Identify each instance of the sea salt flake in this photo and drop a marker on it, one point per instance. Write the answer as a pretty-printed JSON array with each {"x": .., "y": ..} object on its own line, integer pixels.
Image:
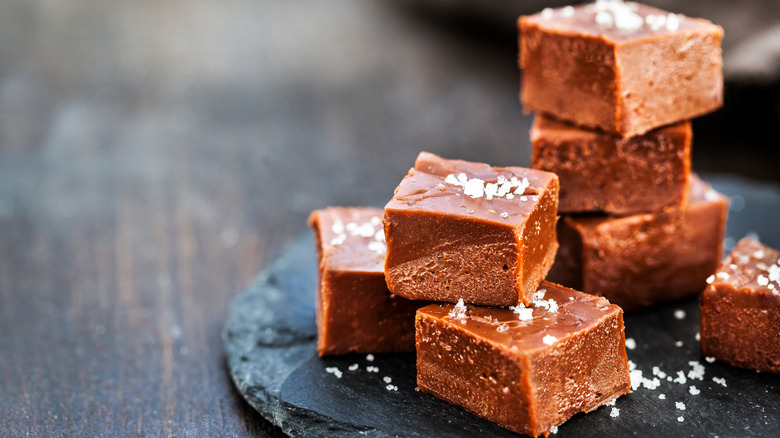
[
  {"x": 694, "y": 390},
  {"x": 698, "y": 336},
  {"x": 539, "y": 295},
  {"x": 335, "y": 371},
  {"x": 709, "y": 359},
  {"x": 504, "y": 215},
  {"x": 680, "y": 378},
  {"x": 338, "y": 227},
  {"x": 523, "y": 313},
  {"x": 722, "y": 275},
  {"x": 338, "y": 240},
  {"x": 354, "y": 367},
  {"x": 710, "y": 279},
  {"x": 553, "y": 430},
  {"x": 679, "y": 405},
  {"x": 719, "y": 380},
  {"x": 630, "y": 343},
  {"x": 611, "y": 402},
  {"x": 502, "y": 328},
  {"x": 672, "y": 22},
  {"x": 762, "y": 281},
  {"x": 614, "y": 413},
  {"x": 441, "y": 186},
  {"x": 662, "y": 396},
  {"x": 475, "y": 188},
  {"x": 549, "y": 339},
  {"x": 567, "y": 11},
  {"x": 697, "y": 370},
  {"x": 370, "y": 357},
  {"x": 387, "y": 379},
  {"x": 678, "y": 344},
  {"x": 372, "y": 369},
  {"x": 459, "y": 311},
  {"x": 680, "y": 419},
  {"x": 391, "y": 388},
  {"x": 758, "y": 254},
  {"x": 547, "y": 13}
]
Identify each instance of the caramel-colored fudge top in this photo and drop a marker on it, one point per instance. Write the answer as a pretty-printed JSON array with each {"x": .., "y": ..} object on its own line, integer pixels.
[
  {"x": 617, "y": 21},
  {"x": 501, "y": 195},
  {"x": 556, "y": 313},
  {"x": 351, "y": 238},
  {"x": 750, "y": 265}
]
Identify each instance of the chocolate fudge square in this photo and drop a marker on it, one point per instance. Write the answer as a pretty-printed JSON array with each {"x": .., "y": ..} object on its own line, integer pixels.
[
  {"x": 528, "y": 369},
  {"x": 623, "y": 68},
  {"x": 643, "y": 259},
  {"x": 740, "y": 309},
  {"x": 606, "y": 173},
  {"x": 355, "y": 311},
  {"x": 462, "y": 230}
]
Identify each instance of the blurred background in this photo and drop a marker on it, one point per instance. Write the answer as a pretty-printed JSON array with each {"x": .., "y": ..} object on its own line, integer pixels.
[{"x": 155, "y": 155}]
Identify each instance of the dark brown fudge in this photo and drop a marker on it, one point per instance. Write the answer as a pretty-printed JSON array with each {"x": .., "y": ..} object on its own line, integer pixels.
[
  {"x": 606, "y": 173},
  {"x": 355, "y": 311},
  {"x": 643, "y": 259},
  {"x": 620, "y": 67},
  {"x": 740, "y": 309},
  {"x": 528, "y": 369},
  {"x": 462, "y": 230}
]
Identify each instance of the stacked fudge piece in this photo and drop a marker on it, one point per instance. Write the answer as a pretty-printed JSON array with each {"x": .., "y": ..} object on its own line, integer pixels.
[
  {"x": 471, "y": 237},
  {"x": 614, "y": 86}
]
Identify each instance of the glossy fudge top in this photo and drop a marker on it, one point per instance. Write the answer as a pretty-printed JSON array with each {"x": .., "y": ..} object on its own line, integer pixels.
[
  {"x": 750, "y": 265},
  {"x": 351, "y": 239},
  {"x": 617, "y": 21},
  {"x": 556, "y": 313},
  {"x": 504, "y": 195}
]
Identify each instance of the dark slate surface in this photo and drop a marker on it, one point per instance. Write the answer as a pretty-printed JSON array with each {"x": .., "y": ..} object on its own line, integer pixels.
[{"x": 270, "y": 335}]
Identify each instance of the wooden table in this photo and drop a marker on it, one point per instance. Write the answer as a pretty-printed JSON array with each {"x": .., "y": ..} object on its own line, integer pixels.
[{"x": 154, "y": 156}]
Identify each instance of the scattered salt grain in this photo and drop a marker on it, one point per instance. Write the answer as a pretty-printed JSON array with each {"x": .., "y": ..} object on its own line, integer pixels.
[
  {"x": 504, "y": 215},
  {"x": 680, "y": 378},
  {"x": 680, "y": 419},
  {"x": 630, "y": 343},
  {"x": 611, "y": 402},
  {"x": 719, "y": 380},
  {"x": 658, "y": 372},
  {"x": 391, "y": 388},
  {"x": 553, "y": 429},
  {"x": 694, "y": 390},
  {"x": 567, "y": 11},
  {"x": 662, "y": 396},
  {"x": 335, "y": 371},
  {"x": 722, "y": 275},
  {"x": 679, "y": 405},
  {"x": 678, "y": 344},
  {"x": 762, "y": 281},
  {"x": 614, "y": 413},
  {"x": 547, "y": 13},
  {"x": 387, "y": 379},
  {"x": 697, "y": 370},
  {"x": 370, "y": 357},
  {"x": 710, "y": 279},
  {"x": 354, "y": 367},
  {"x": 698, "y": 336},
  {"x": 459, "y": 311},
  {"x": 679, "y": 314},
  {"x": 441, "y": 186},
  {"x": 709, "y": 359},
  {"x": 502, "y": 328},
  {"x": 549, "y": 339},
  {"x": 523, "y": 313},
  {"x": 371, "y": 369}
]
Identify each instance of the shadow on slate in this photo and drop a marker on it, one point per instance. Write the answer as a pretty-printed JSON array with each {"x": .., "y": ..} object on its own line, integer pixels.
[{"x": 270, "y": 343}]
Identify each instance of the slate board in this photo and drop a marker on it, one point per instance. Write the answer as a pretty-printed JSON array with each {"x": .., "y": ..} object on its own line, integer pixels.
[{"x": 270, "y": 343}]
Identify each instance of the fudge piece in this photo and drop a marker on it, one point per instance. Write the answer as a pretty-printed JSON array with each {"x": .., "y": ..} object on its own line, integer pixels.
[
  {"x": 740, "y": 309},
  {"x": 639, "y": 260},
  {"x": 526, "y": 368},
  {"x": 605, "y": 173},
  {"x": 355, "y": 311},
  {"x": 462, "y": 230},
  {"x": 620, "y": 67}
]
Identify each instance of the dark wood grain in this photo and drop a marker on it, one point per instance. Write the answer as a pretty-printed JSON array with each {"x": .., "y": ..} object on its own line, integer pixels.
[{"x": 154, "y": 156}]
